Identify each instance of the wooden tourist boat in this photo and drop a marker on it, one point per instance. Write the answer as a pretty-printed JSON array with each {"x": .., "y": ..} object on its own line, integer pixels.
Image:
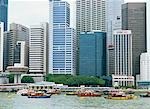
[
  {"x": 120, "y": 96},
  {"x": 39, "y": 95},
  {"x": 145, "y": 95},
  {"x": 88, "y": 93},
  {"x": 53, "y": 91},
  {"x": 25, "y": 92}
]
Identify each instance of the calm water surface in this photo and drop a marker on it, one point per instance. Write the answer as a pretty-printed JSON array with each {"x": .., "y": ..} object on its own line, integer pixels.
[{"x": 13, "y": 101}]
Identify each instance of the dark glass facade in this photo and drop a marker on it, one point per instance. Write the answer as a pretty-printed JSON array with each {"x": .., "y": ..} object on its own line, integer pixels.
[
  {"x": 92, "y": 54},
  {"x": 17, "y": 57},
  {"x": 134, "y": 19},
  {"x": 4, "y": 12}
]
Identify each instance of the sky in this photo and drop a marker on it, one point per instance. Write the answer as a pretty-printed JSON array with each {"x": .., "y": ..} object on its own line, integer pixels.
[{"x": 32, "y": 12}]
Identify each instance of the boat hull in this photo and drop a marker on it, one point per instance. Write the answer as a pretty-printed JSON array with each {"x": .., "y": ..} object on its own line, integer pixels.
[
  {"x": 71, "y": 94},
  {"x": 24, "y": 94},
  {"x": 86, "y": 95},
  {"x": 145, "y": 96},
  {"x": 121, "y": 98},
  {"x": 39, "y": 96}
]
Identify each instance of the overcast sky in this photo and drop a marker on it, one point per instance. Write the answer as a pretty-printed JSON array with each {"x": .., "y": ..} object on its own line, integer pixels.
[{"x": 30, "y": 12}]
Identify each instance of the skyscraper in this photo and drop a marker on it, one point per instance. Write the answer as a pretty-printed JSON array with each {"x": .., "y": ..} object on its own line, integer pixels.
[
  {"x": 92, "y": 58},
  {"x": 90, "y": 15},
  {"x": 134, "y": 19},
  {"x": 1, "y": 45},
  {"x": 38, "y": 51},
  {"x": 16, "y": 33},
  {"x": 62, "y": 39},
  {"x": 4, "y": 12},
  {"x": 123, "y": 58},
  {"x": 114, "y": 21}
]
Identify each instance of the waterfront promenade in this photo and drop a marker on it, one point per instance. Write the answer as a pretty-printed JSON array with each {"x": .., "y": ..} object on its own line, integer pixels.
[{"x": 16, "y": 87}]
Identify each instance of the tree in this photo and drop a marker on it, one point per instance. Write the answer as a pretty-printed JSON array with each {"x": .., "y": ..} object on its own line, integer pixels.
[
  {"x": 11, "y": 78},
  {"x": 71, "y": 80},
  {"x": 27, "y": 79}
]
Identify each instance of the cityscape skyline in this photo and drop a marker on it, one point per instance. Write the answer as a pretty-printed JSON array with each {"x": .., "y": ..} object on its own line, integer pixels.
[
  {"x": 16, "y": 15},
  {"x": 86, "y": 15}
]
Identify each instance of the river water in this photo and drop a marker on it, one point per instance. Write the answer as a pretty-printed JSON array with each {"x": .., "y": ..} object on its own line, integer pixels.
[{"x": 13, "y": 101}]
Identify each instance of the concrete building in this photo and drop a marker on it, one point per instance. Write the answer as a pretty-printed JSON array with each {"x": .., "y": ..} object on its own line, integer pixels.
[
  {"x": 16, "y": 33},
  {"x": 123, "y": 58},
  {"x": 17, "y": 70},
  {"x": 1, "y": 45},
  {"x": 92, "y": 58},
  {"x": 90, "y": 15},
  {"x": 4, "y": 13},
  {"x": 38, "y": 51},
  {"x": 145, "y": 67},
  {"x": 134, "y": 19},
  {"x": 62, "y": 39},
  {"x": 143, "y": 80},
  {"x": 114, "y": 21}
]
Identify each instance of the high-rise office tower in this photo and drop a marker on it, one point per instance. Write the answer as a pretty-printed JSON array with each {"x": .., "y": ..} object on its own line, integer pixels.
[
  {"x": 38, "y": 51},
  {"x": 16, "y": 33},
  {"x": 92, "y": 53},
  {"x": 123, "y": 58},
  {"x": 114, "y": 21},
  {"x": 62, "y": 39},
  {"x": 134, "y": 19},
  {"x": 4, "y": 12},
  {"x": 1, "y": 45},
  {"x": 90, "y": 15}
]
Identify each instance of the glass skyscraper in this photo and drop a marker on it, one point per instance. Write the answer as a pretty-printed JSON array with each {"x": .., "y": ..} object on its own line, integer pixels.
[
  {"x": 4, "y": 12},
  {"x": 62, "y": 39},
  {"x": 92, "y": 54}
]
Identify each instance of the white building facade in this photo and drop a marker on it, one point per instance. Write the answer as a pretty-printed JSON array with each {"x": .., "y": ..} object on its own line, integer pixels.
[
  {"x": 123, "y": 58},
  {"x": 62, "y": 39},
  {"x": 1, "y": 45},
  {"x": 145, "y": 67},
  {"x": 114, "y": 20},
  {"x": 38, "y": 51}
]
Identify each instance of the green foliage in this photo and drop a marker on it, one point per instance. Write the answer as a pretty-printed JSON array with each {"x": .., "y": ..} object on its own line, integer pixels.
[
  {"x": 27, "y": 79},
  {"x": 11, "y": 78},
  {"x": 75, "y": 80}
]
